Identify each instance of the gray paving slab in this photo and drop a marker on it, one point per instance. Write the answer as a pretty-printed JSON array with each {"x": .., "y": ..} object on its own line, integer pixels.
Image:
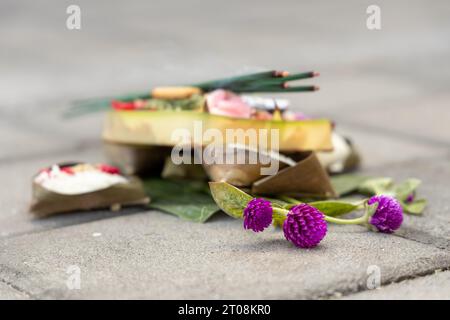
[
  {"x": 21, "y": 142},
  {"x": 155, "y": 255},
  {"x": 378, "y": 149},
  {"x": 357, "y": 87},
  {"x": 422, "y": 120},
  {"x": 432, "y": 287}
]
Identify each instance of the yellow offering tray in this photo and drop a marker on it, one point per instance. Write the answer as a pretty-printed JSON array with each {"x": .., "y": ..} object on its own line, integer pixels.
[{"x": 163, "y": 128}]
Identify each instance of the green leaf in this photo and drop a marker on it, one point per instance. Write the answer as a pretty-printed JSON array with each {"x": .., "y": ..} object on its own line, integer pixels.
[
  {"x": 407, "y": 187},
  {"x": 374, "y": 186},
  {"x": 229, "y": 198},
  {"x": 189, "y": 200},
  {"x": 347, "y": 183},
  {"x": 334, "y": 208},
  {"x": 415, "y": 207}
]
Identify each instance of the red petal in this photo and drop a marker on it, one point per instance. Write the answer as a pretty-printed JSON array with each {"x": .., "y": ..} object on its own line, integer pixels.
[
  {"x": 121, "y": 105},
  {"x": 67, "y": 170},
  {"x": 108, "y": 169}
]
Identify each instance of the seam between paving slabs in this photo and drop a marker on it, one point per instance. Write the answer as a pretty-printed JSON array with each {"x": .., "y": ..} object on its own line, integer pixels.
[
  {"x": 126, "y": 212},
  {"x": 362, "y": 288},
  {"x": 437, "y": 242},
  {"x": 17, "y": 288},
  {"x": 431, "y": 274}
]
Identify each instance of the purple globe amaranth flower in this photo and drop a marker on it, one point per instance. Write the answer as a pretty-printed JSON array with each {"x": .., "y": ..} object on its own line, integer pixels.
[
  {"x": 388, "y": 216},
  {"x": 258, "y": 214},
  {"x": 305, "y": 226},
  {"x": 410, "y": 198}
]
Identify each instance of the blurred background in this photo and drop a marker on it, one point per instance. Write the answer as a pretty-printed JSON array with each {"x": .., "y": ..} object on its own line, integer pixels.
[{"x": 387, "y": 89}]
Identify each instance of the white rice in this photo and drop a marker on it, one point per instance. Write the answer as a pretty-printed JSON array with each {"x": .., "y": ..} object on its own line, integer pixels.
[{"x": 78, "y": 183}]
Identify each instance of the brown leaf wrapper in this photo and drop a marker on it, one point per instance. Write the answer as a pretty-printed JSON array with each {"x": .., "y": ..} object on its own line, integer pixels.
[
  {"x": 307, "y": 177},
  {"x": 137, "y": 159},
  {"x": 46, "y": 202},
  {"x": 239, "y": 175}
]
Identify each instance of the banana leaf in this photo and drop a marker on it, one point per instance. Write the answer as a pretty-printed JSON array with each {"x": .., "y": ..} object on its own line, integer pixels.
[{"x": 46, "y": 202}]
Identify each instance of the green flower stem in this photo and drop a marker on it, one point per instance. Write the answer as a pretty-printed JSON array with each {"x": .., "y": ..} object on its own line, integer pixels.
[
  {"x": 279, "y": 216},
  {"x": 289, "y": 200},
  {"x": 361, "y": 204},
  {"x": 280, "y": 212},
  {"x": 359, "y": 220}
]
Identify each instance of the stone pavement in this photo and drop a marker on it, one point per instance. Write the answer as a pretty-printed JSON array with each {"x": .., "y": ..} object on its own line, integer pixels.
[{"x": 386, "y": 89}]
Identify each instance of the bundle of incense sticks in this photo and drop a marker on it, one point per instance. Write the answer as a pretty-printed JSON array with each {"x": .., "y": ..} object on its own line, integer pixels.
[{"x": 268, "y": 81}]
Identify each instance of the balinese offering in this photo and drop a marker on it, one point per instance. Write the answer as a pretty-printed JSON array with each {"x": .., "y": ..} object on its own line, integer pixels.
[
  {"x": 147, "y": 121},
  {"x": 288, "y": 170}
]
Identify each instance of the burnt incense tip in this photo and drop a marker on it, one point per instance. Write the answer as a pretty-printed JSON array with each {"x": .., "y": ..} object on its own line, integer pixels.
[
  {"x": 285, "y": 85},
  {"x": 281, "y": 74},
  {"x": 316, "y": 88},
  {"x": 315, "y": 74}
]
